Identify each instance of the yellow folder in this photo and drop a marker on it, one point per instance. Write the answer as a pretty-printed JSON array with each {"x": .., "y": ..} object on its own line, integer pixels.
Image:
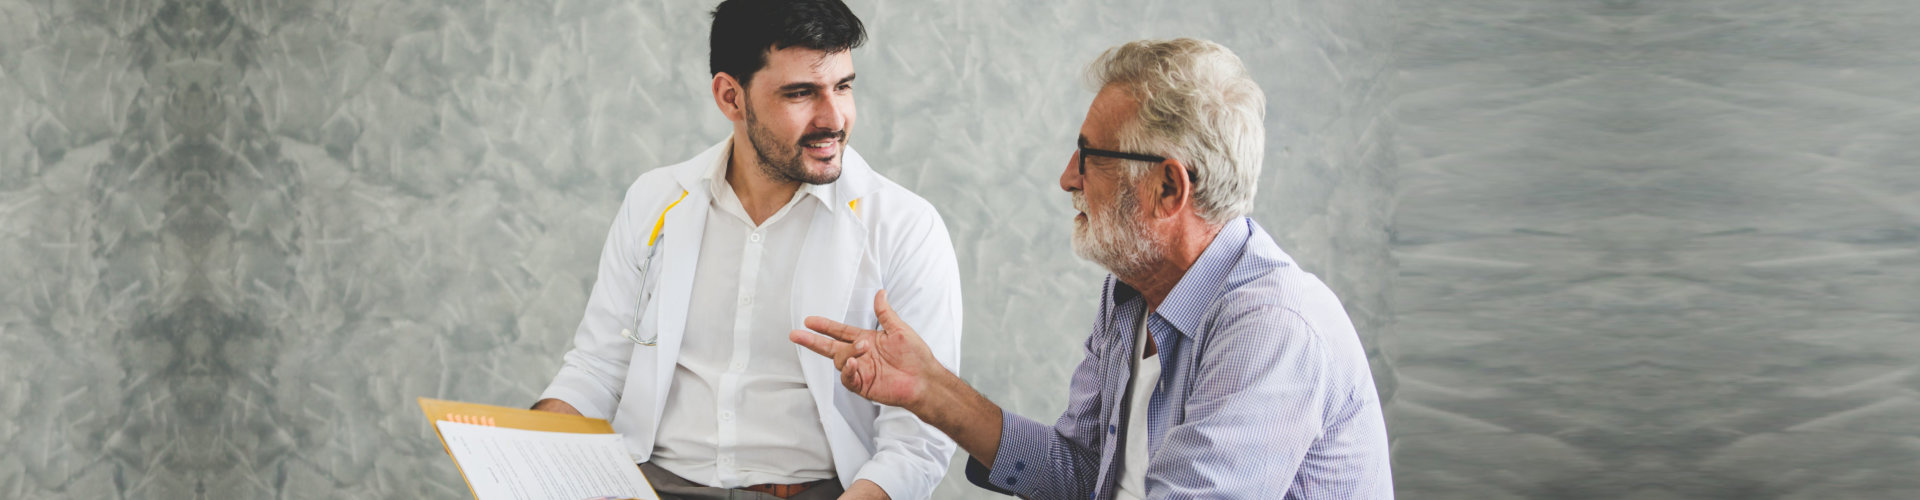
[
  {"x": 501, "y": 416},
  {"x": 512, "y": 418}
]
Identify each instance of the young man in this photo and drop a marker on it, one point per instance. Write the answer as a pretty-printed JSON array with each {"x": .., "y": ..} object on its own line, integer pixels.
[
  {"x": 1217, "y": 367},
  {"x": 712, "y": 261}
]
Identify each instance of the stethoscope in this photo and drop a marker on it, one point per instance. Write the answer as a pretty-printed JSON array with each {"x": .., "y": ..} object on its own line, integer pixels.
[{"x": 646, "y": 294}]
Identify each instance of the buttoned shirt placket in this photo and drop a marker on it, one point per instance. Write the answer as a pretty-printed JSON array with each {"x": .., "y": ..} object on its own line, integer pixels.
[{"x": 727, "y": 395}]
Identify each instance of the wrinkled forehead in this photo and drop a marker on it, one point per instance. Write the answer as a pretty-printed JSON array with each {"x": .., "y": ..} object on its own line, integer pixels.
[{"x": 1112, "y": 107}]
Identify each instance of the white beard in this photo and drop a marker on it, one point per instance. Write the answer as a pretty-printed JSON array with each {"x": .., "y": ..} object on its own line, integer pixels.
[{"x": 1115, "y": 238}]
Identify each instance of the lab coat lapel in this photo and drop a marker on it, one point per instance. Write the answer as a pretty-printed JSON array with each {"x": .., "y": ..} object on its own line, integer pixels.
[
  {"x": 823, "y": 284},
  {"x": 682, "y": 251},
  {"x": 651, "y": 368}
]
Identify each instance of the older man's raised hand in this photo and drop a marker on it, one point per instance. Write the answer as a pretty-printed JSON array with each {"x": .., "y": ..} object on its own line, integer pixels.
[{"x": 890, "y": 366}]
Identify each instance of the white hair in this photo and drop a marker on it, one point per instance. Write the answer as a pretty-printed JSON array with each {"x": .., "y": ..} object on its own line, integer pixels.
[{"x": 1197, "y": 105}]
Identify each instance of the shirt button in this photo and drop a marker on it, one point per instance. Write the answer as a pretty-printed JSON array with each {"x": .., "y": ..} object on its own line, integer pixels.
[
  {"x": 726, "y": 416},
  {"x": 737, "y": 366},
  {"x": 726, "y": 461},
  {"x": 747, "y": 300},
  {"x": 755, "y": 237}
]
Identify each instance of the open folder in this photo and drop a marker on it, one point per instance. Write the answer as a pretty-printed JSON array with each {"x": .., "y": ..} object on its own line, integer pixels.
[{"x": 515, "y": 454}]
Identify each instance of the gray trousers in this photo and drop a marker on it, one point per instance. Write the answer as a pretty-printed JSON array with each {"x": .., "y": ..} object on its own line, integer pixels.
[{"x": 671, "y": 486}]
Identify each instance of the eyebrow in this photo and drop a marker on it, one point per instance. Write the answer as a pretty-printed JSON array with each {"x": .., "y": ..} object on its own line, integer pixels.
[{"x": 810, "y": 85}]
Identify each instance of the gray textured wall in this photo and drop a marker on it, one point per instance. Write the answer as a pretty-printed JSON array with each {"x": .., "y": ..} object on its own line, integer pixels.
[
  {"x": 1658, "y": 249},
  {"x": 237, "y": 238},
  {"x": 1639, "y": 249}
]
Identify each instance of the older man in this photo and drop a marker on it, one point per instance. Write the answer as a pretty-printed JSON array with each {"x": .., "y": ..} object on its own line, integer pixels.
[{"x": 1217, "y": 368}]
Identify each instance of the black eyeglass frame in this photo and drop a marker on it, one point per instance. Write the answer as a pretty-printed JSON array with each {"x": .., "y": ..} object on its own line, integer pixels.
[{"x": 1087, "y": 151}]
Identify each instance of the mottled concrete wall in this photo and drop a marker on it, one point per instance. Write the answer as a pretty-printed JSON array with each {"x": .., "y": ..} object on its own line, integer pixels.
[
  {"x": 1658, "y": 250},
  {"x": 237, "y": 238}
]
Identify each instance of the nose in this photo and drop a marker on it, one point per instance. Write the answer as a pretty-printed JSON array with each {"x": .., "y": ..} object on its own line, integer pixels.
[
  {"x": 833, "y": 113},
  {"x": 1070, "y": 178}
]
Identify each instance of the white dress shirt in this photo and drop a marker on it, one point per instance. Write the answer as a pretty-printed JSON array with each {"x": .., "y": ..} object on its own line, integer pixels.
[{"x": 738, "y": 412}]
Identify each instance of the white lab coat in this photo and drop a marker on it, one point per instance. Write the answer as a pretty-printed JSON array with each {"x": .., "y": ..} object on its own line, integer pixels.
[{"x": 890, "y": 238}]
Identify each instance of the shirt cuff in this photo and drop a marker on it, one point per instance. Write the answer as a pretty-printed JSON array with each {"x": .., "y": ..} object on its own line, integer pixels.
[
  {"x": 895, "y": 479},
  {"x": 1016, "y": 466},
  {"x": 563, "y": 390}
]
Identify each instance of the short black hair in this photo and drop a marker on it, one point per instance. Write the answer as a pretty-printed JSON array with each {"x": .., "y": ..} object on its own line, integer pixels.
[{"x": 744, "y": 31}]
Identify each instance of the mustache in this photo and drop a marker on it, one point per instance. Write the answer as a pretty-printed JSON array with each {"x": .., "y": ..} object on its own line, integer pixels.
[
  {"x": 822, "y": 135},
  {"x": 1080, "y": 201}
]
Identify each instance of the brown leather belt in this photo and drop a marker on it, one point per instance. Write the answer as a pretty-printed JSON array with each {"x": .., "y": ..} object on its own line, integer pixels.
[{"x": 784, "y": 490}]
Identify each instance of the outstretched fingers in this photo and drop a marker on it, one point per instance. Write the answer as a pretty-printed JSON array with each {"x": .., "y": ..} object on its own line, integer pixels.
[
  {"x": 818, "y": 344},
  {"x": 837, "y": 330}
]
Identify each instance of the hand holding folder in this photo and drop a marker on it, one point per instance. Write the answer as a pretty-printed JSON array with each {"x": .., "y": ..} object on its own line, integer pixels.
[{"x": 515, "y": 454}]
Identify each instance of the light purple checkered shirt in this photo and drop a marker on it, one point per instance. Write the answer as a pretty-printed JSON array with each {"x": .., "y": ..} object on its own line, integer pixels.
[{"x": 1264, "y": 392}]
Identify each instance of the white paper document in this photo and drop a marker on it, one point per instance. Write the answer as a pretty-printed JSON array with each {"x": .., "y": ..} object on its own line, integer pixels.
[{"x": 514, "y": 464}]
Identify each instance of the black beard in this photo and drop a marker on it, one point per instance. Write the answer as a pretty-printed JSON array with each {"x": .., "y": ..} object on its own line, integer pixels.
[{"x": 790, "y": 165}]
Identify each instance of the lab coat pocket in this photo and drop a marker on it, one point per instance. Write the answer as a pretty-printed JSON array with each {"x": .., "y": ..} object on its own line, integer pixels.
[{"x": 646, "y": 325}]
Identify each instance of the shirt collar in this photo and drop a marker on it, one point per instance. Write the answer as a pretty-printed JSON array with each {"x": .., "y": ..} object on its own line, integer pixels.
[
  {"x": 717, "y": 179},
  {"x": 1187, "y": 304}
]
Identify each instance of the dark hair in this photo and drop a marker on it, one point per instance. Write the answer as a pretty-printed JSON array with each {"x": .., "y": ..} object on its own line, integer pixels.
[{"x": 744, "y": 31}]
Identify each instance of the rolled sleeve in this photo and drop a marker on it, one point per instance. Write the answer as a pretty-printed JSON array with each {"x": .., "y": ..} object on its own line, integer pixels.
[
  {"x": 910, "y": 456},
  {"x": 899, "y": 480},
  {"x": 587, "y": 392}
]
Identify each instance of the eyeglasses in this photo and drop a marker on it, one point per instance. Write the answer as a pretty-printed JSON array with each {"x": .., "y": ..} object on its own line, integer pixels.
[{"x": 1087, "y": 151}]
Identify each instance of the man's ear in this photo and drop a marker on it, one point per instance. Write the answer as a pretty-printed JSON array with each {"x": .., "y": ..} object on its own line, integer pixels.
[
  {"x": 1176, "y": 186},
  {"x": 729, "y": 96}
]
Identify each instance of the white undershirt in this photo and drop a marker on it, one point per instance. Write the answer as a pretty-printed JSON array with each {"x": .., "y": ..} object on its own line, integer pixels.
[
  {"x": 738, "y": 412},
  {"x": 1146, "y": 378}
]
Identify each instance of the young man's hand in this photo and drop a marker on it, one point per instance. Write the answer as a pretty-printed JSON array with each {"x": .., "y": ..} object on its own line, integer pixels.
[
  {"x": 865, "y": 490},
  {"x": 556, "y": 406}
]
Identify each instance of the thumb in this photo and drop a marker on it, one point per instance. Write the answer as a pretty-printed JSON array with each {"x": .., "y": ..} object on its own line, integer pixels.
[{"x": 889, "y": 321}]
